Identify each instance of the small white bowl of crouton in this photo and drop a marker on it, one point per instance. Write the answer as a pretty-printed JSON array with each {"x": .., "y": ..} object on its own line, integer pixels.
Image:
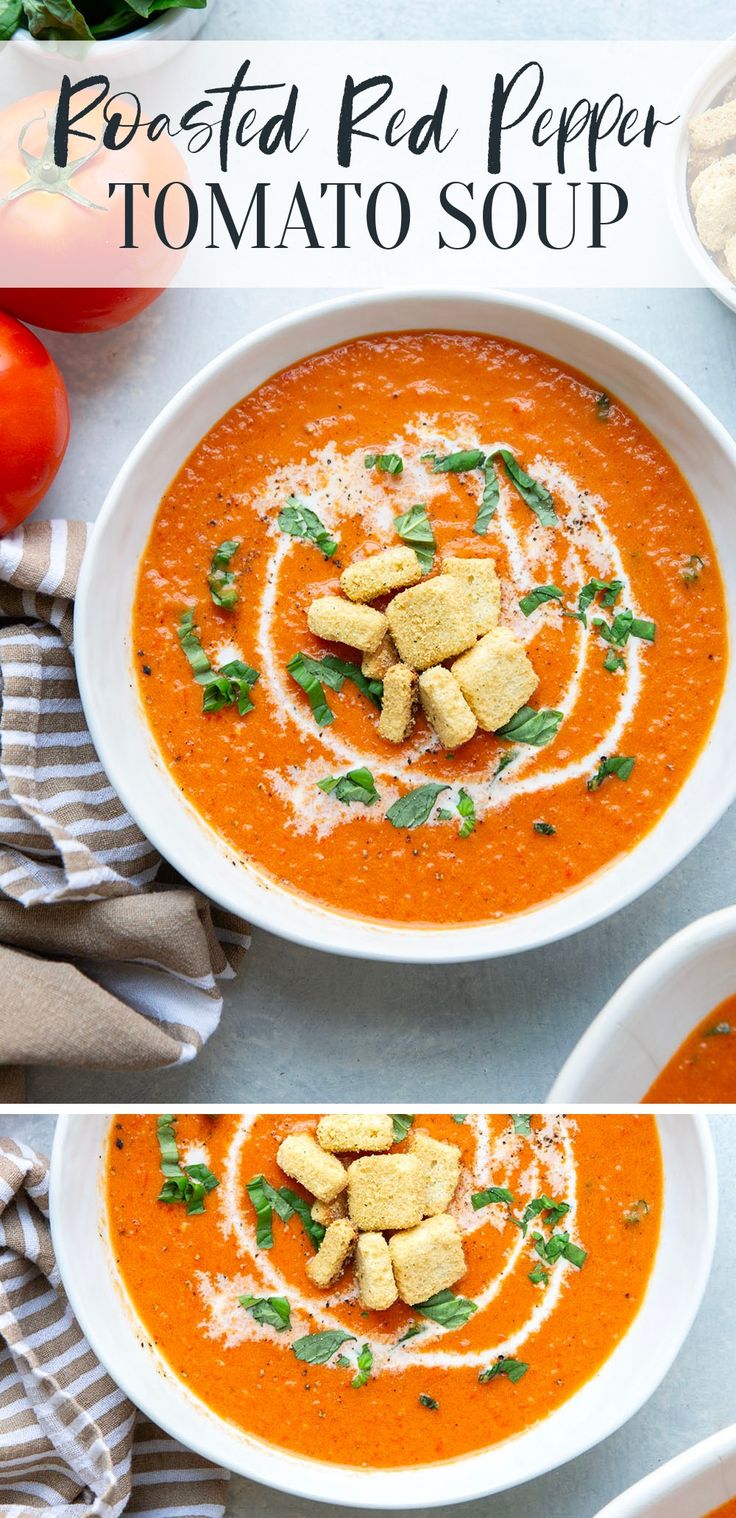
[{"x": 704, "y": 198}]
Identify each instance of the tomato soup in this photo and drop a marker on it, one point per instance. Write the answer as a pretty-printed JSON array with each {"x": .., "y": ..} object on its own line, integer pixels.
[
  {"x": 518, "y": 822},
  {"x": 726, "y": 1510},
  {"x": 704, "y": 1067},
  {"x": 429, "y": 1390}
]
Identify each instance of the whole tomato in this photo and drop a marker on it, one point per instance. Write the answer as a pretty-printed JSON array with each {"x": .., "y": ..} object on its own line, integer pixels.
[
  {"x": 60, "y": 230},
  {"x": 34, "y": 421}
]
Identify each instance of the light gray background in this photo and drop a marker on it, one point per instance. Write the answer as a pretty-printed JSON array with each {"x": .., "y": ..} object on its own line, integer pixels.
[
  {"x": 301, "y": 1025},
  {"x": 697, "y": 1397}
]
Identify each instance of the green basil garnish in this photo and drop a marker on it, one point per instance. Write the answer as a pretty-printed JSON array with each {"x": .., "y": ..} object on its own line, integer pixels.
[
  {"x": 263, "y": 1210},
  {"x": 538, "y": 1275},
  {"x": 228, "y": 686},
  {"x": 543, "y": 1207},
  {"x": 625, "y": 626},
  {"x": 447, "y": 1309},
  {"x": 466, "y": 810},
  {"x": 275, "y": 1312},
  {"x": 300, "y": 522},
  {"x": 532, "y": 726},
  {"x": 415, "y": 529},
  {"x": 522, "y": 1122},
  {"x": 457, "y": 463},
  {"x": 603, "y": 406},
  {"x": 302, "y": 669},
  {"x": 415, "y": 808},
  {"x": 317, "y": 1349},
  {"x": 609, "y": 590},
  {"x": 389, "y": 463},
  {"x": 558, "y": 1247},
  {"x": 365, "y": 1366},
  {"x": 534, "y": 494},
  {"x": 618, "y": 764},
  {"x": 429, "y": 1402},
  {"x": 547, "y": 829},
  {"x": 491, "y": 1195},
  {"x": 489, "y": 499},
  {"x": 356, "y": 785},
  {"x": 538, "y": 596},
  {"x": 182, "y": 1183},
  {"x": 718, "y": 1030},
  {"x": 614, "y": 661},
  {"x": 402, "y": 1122},
  {"x": 303, "y": 1209},
  {"x": 693, "y": 569},
  {"x": 334, "y": 672},
  {"x": 458, "y": 1117},
  {"x": 504, "y": 1366},
  {"x": 221, "y": 578}
]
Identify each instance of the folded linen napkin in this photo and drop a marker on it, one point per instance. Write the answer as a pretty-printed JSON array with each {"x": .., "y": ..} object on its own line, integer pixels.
[
  {"x": 71, "y": 1444},
  {"x": 103, "y": 963}
]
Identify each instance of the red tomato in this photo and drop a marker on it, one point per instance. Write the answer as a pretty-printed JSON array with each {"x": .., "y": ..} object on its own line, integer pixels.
[
  {"x": 60, "y": 231},
  {"x": 34, "y": 421}
]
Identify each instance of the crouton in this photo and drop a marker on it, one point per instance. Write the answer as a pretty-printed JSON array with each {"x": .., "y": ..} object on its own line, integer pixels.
[
  {"x": 714, "y": 128},
  {"x": 376, "y": 1284},
  {"x": 715, "y": 214},
  {"x": 374, "y": 666},
  {"x": 432, "y": 621},
  {"x": 722, "y": 171},
  {"x": 341, "y": 622},
  {"x": 301, "y": 1158},
  {"x": 328, "y": 1212},
  {"x": 496, "y": 678},
  {"x": 440, "y": 1164},
  {"x": 341, "y": 1131},
  {"x": 485, "y": 589},
  {"x": 427, "y": 1259},
  {"x": 333, "y": 1253},
  {"x": 399, "y": 703},
  {"x": 379, "y": 573},
  {"x": 445, "y": 707},
  {"x": 385, "y": 1191}
]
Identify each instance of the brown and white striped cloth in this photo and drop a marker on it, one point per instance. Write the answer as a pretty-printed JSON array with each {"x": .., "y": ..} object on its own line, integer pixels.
[
  {"x": 71, "y": 1444},
  {"x": 127, "y": 965}
]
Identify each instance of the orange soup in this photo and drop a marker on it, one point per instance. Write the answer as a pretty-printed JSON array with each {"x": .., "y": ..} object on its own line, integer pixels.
[
  {"x": 726, "y": 1510},
  {"x": 461, "y": 446},
  {"x": 557, "y": 1260},
  {"x": 704, "y": 1067}
]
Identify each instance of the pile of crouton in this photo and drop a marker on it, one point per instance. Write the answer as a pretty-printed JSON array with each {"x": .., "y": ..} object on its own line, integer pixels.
[
  {"x": 452, "y": 616},
  {"x": 713, "y": 187},
  {"x": 404, "y": 1196}
]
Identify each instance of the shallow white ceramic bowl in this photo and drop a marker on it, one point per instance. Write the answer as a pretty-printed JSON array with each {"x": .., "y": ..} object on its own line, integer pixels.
[
  {"x": 620, "y": 1388},
  {"x": 690, "y": 1486},
  {"x": 642, "y": 1026},
  {"x": 717, "y": 71},
  {"x": 700, "y": 445}
]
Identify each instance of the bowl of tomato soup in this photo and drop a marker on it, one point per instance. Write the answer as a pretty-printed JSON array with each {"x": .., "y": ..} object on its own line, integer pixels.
[
  {"x": 699, "y": 1483},
  {"x": 586, "y": 1244},
  {"x": 565, "y": 711},
  {"x": 669, "y": 1033}
]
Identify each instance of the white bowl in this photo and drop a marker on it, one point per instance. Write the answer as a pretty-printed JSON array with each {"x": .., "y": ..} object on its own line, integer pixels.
[
  {"x": 717, "y": 71},
  {"x": 632, "y": 1373},
  {"x": 690, "y": 1486},
  {"x": 643, "y": 1025},
  {"x": 124, "y": 56},
  {"x": 698, "y": 443}
]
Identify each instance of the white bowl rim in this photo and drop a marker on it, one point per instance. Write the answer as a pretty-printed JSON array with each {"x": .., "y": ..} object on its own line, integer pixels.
[
  {"x": 651, "y": 1377},
  {"x": 635, "y": 1501},
  {"x": 623, "y": 1008},
  {"x": 698, "y": 256},
  {"x": 387, "y": 942}
]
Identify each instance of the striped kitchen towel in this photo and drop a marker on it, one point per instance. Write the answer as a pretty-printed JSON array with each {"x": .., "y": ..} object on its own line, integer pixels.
[
  {"x": 71, "y": 1444},
  {"x": 128, "y": 964}
]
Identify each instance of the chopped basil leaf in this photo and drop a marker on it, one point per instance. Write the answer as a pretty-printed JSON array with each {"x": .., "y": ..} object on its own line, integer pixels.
[
  {"x": 618, "y": 764},
  {"x": 535, "y": 495},
  {"x": 458, "y": 1117},
  {"x": 443, "y": 815},
  {"x": 693, "y": 569},
  {"x": 458, "y": 463},
  {"x": 273, "y": 1311},
  {"x": 575, "y": 1255},
  {"x": 626, "y": 626},
  {"x": 546, "y": 828},
  {"x": 225, "y": 687},
  {"x": 428, "y": 1402},
  {"x": 522, "y": 1122},
  {"x": 281, "y": 1206},
  {"x": 264, "y": 1214},
  {"x": 356, "y": 785},
  {"x": 303, "y": 1209},
  {"x": 187, "y": 1183},
  {"x": 343, "y": 1362},
  {"x": 614, "y": 661},
  {"x": 415, "y": 808},
  {"x": 543, "y": 1207},
  {"x": 415, "y": 528},
  {"x": 301, "y": 669},
  {"x": 365, "y": 1366},
  {"x": 538, "y": 1275},
  {"x": 635, "y": 1213},
  {"x": 538, "y": 596},
  {"x": 447, "y": 1309},
  {"x": 317, "y": 1349},
  {"x": 603, "y": 406},
  {"x": 411, "y": 1332},
  {"x": 189, "y": 639},
  {"x": 718, "y": 1029},
  {"x": 532, "y": 726},
  {"x": 466, "y": 810},
  {"x": 609, "y": 590},
  {"x": 503, "y": 762},
  {"x": 504, "y": 1366},
  {"x": 559, "y": 1247},
  {"x": 402, "y": 1122},
  {"x": 299, "y": 522},
  {"x": 489, "y": 499},
  {"x": 334, "y": 671},
  {"x": 221, "y": 578},
  {"x": 490, "y": 1195},
  {"x": 389, "y": 463}
]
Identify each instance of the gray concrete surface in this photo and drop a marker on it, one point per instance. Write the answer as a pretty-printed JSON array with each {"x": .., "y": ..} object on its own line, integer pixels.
[{"x": 697, "y": 1397}]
